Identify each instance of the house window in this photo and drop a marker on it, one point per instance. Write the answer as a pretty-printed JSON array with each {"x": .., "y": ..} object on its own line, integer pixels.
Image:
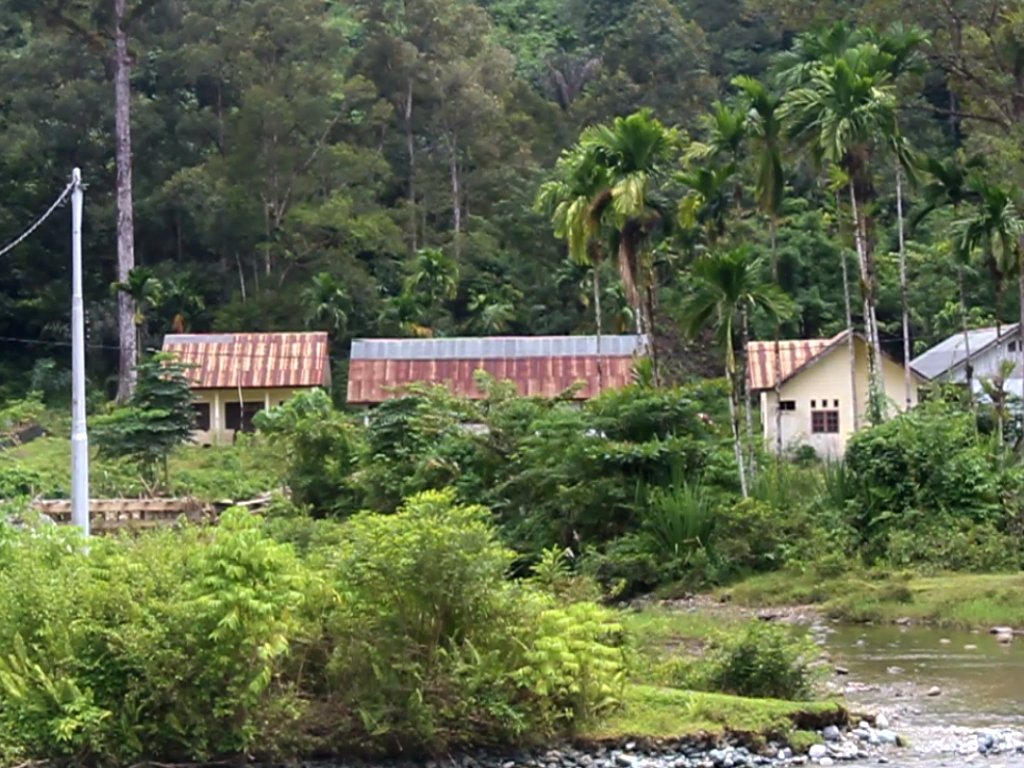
[
  {"x": 238, "y": 416},
  {"x": 201, "y": 416},
  {"x": 835, "y": 403},
  {"x": 824, "y": 422},
  {"x": 787, "y": 405},
  {"x": 1013, "y": 346},
  {"x": 814, "y": 403}
]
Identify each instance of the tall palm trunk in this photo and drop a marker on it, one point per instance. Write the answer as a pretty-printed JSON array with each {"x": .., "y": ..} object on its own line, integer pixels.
[
  {"x": 908, "y": 381},
  {"x": 867, "y": 280},
  {"x": 748, "y": 406},
  {"x": 968, "y": 365},
  {"x": 851, "y": 343},
  {"x": 777, "y": 348},
  {"x": 1020, "y": 315},
  {"x": 598, "y": 322},
  {"x": 410, "y": 150},
  {"x": 734, "y": 417},
  {"x": 125, "y": 215}
]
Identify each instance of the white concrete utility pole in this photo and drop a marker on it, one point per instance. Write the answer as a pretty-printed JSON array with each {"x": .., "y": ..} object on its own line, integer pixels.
[{"x": 79, "y": 437}]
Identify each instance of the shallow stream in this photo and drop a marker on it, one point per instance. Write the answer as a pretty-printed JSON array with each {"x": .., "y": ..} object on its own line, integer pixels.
[{"x": 896, "y": 671}]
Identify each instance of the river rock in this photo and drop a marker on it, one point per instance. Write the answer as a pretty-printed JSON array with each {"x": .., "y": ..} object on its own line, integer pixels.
[
  {"x": 970, "y": 647},
  {"x": 934, "y": 691},
  {"x": 826, "y": 761},
  {"x": 887, "y": 737},
  {"x": 831, "y": 733},
  {"x": 881, "y": 721},
  {"x": 817, "y": 752}
]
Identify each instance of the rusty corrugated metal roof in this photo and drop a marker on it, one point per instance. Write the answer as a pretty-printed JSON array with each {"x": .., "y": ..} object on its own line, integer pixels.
[
  {"x": 231, "y": 360},
  {"x": 539, "y": 366},
  {"x": 794, "y": 354}
]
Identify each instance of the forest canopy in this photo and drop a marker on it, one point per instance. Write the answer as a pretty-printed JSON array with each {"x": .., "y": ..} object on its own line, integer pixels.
[{"x": 373, "y": 167}]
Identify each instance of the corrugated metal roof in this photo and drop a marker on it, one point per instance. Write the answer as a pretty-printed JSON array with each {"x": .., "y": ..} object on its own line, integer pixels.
[
  {"x": 539, "y": 366},
  {"x": 492, "y": 347},
  {"x": 231, "y": 360},
  {"x": 794, "y": 354},
  {"x": 951, "y": 352}
]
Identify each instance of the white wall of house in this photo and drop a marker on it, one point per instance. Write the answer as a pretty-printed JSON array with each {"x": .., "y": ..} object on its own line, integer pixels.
[
  {"x": 817, "y": 406},
  {"x": 987, "y": 362},
  {"x": 217, "y": 400}
]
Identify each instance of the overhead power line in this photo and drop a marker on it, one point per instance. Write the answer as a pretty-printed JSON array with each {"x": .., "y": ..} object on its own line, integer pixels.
[{"x": 24, "y": 235}]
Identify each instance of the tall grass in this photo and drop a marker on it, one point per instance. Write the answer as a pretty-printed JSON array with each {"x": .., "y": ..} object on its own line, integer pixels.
[{"x": 679, "y": 520}]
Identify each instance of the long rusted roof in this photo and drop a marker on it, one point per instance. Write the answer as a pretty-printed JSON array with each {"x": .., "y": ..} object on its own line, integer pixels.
[
  {"x": 794, "y": 355},
  {"x": 231, "y": 360},
  {"x": 539, "y": 366}
]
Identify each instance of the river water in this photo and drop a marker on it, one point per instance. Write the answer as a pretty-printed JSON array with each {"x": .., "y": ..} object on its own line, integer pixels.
[{"x": 893, "y": 669}]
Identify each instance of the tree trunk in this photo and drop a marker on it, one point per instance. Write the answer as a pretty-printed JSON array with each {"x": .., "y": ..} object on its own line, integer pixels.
[
  {"x": 410, "y": 149},
  {"x": 453, "y": 169},
  {"x": 734, "y": 414},
  {"x": 867, "y": 279},
  {"x": 908, "y": 380},
  {"x": 850, "y": 341},
  {"x": 627, "y": 260},
  {"x": 596, "y": 283},
  {"x": 129, "y": 353},
  {"x": 1020, "y": 316},
  {"x": 777, "y": 350},
  {"x": 968, "y": 365},
  {"x": 748, "y": 407}
]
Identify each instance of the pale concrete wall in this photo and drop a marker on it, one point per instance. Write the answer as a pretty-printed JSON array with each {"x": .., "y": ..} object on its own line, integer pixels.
[
  {"x": 828, "y": 380},
  {"x": 217, "y": 399}
]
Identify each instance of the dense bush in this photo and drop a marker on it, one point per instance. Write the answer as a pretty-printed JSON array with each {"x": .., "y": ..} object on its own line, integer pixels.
[
  {"x": 320, "y": 447},
  {"x": 764, "y": 660},
  {"x": 388, "y": 632}
]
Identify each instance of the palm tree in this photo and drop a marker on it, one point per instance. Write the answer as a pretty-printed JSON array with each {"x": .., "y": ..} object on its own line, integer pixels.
[
  {"x": 568, "y": 199},
  {"x": 325, "y": 301},
  {"x": 845, "y": 112},
  {"x": 727, "y": 290},
  {"x": 704, "y": 209},
  {"x": 996, "y": 228},
  {"x": 143, "y": 290},
  {"x": 949, "y": 185},
  {"x": 766, "y": 131},
  {"x": 634, "y": 154}
]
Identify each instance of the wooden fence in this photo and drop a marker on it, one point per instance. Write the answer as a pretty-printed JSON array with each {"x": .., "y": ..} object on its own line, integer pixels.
[{"x": 112, "y": 515}]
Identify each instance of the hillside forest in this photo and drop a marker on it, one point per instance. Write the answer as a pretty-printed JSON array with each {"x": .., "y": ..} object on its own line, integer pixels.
[{"x": 439, "y": 167}]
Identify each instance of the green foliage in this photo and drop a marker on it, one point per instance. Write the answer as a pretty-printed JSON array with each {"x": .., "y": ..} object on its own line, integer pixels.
[
  {"x": 387, "y": 632},
  {"x": 156, "y": 420},
  {"x": 764, "y": 660},
  {"x": 917, "y": 470},
  {"x": 321, "y": 448}
]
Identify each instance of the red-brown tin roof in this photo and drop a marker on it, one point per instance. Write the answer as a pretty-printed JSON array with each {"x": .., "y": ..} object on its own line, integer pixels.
[
  {"x": 264, "y": 360},
  {"x": 794, "y": 354},
  {"x": 539, "y": 366}
]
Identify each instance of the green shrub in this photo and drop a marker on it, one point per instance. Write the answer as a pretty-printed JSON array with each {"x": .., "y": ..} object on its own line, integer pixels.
[
  {"x": 954, "y": 545},
  {"x": 321, "y": 449},
  {"x": 763, "y": 660}
]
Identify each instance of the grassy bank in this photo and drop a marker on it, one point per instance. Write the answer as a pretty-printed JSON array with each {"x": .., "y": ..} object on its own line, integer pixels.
[
  {"x": 960, "y": 600},
  {"x": 660, "y": 713},
  {"x": 663, "y": 644},
  {"x": 43, "y": 468}
]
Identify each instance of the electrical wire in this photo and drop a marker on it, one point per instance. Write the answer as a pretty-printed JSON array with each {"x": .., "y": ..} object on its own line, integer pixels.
[
  {"x": 208, "y": 353},
  {"x": 38, "y": 223}
]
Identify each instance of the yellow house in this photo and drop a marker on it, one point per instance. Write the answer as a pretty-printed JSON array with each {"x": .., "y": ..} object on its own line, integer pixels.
[
  {"x": 819, "y": 403},
  {"x": 236, "y": 375}
]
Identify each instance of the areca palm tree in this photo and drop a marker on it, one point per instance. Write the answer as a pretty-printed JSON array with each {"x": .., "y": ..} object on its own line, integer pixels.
[
  {"x": 728, "y": 289},
  {"x": 568, "y": 199},
  {"x": 325, "y": 301},
  {"x": 846, "y": 113},
  {"x": 949, "y": 185},
  {"x": 995, "y": 227},
  {"x": 633, "y": 154},
  {"x": 766, "y": 131}
]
